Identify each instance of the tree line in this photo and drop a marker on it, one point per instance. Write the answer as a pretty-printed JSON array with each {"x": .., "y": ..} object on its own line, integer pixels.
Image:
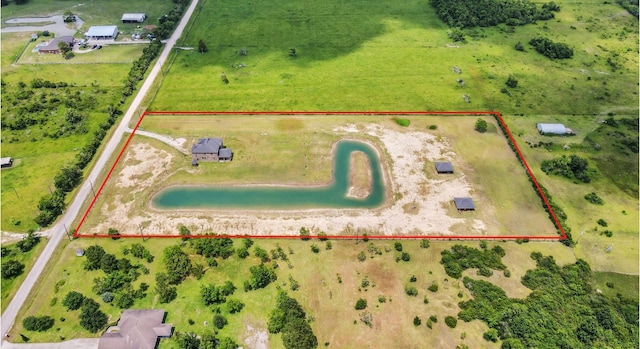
[{"x": 486, "y": 13}]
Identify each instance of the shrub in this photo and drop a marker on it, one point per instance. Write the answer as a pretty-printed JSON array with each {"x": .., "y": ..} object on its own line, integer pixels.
[
  {"x": 433, "y": 318},
  {"x": 413, "y": 278},
  {"x": 602, "y": 222},
  {"x": 398, "y": 246},
  {"x": 491, "y": 335},
  {"x": 11, "y": 269},
  {"x": 451, "y": 321},
  {"x": 511, "y": 82},
  {"x": 405, "y": 257},
  {"x": 362, "y": 256},
  {"x": 402, "y": 122},
  {"x": 417, "y": 321},
  {"x": 550, "y": 49},
  {"x": 481, "y": 125},
  {"x": 304, "y": 234},
  {"x": 411, "y": 290},
  {"x": 315, "y": 248},
  {"x": 38, "y": 323},
  {"x": 519, "y": 46},
  {"x": 433, "y": 288},
  {"x": 219, "y": 321},
  {"x": 594, "y": 199},
  {"x": 424, "y": 243},
  {"x": 361, "y": 304},
  {"x": 234, "y": 306},
  {"x": 433, "y": 127},
  {"x": 382, "y": 299},
  {"x": 425, "y": 300},
  {"x": 107, "y": 297}
]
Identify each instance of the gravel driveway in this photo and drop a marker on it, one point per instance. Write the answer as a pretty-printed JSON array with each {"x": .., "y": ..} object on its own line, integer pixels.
[{"x": 60, "y": 28}]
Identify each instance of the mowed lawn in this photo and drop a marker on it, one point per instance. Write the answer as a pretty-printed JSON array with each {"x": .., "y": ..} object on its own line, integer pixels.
[
  {"x": 328, "y": 295},
  {"x": 389, "y": 55}
]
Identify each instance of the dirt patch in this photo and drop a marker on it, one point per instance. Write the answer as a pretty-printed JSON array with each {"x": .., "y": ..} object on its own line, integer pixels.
[
  {"x": 256, "y": 338},
  {"x": 359, "y": 176}
]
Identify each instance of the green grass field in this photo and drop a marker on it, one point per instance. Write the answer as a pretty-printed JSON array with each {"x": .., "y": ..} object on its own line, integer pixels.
[
  {"x": 384, "y": 55},
  {"x": 109, "y": 54},
  {"x": 9, "y": 287}
]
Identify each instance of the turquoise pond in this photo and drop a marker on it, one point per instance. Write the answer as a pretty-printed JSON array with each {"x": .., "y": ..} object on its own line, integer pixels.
[{"x": 333, "y": 195}]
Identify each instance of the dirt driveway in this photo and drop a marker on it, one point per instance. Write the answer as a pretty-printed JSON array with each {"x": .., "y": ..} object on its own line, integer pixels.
[{"x": 60, "y": 28}]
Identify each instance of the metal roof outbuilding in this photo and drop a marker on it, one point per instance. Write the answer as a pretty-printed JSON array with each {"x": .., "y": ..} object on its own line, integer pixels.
[{"x": 555, "y": 129}]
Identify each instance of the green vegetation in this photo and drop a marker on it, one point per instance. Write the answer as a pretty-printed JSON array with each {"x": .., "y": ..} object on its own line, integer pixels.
[
  {"x": 470, "y": 13},
  {"x": 402, "y": 122},
  {"x": 289, "y": 319},
  {"x": 11, "y": 269},
  {"x": 550, "y": 49},
  {"x": 459, "y": 258},
  {"x": 38, "y": 323},
  {"x": 361, "y": 304},
  {"x": 481, "y": 125},
  {"x": 23, "y": 253},
  {"x": 594, "y": 199},
  {"x": 561, "y": 298},
  {"x": 572, "y": 167},
  {"x": 451, "y": 321}
]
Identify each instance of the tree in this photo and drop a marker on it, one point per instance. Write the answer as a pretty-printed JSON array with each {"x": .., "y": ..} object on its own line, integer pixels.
[
  {"x": 166, "y": 292},
  {"x": 202, "y": 47},
  {"x": 68, "y": 178},
  {"x": 361, "y": 304},
  {"x": 38, "y": 323},
  {"x": 64, "y": 47},
  {"x": 108, "y": 263},
  {"x": 187, "y": 340},
  {"x": 451, "y": 321},
  {"x": 26, "y": 244},
  {"x": 417, "y": 321},
  {"x": 234, "y": 306},
  {"x": 261, "y": 276},
  {"x": 511, "y": 82},
  {"x": 519, "y": 46},
  {"x": 68, "y": 16},
  {"x": 91, "y": 317},
  {"x": 298, "y": 334},
  {"x": 184, "y": 232},
  {"x": 11, "y": 269},
  {"x": 124, "y": 299},
  {"x": 481, "y": 125},
  {"x": 73, "y": 300},
  {"x": 94, "y": 255},
  {"x": 219, "y": 321},
  {"x": 178, "y": 264}
]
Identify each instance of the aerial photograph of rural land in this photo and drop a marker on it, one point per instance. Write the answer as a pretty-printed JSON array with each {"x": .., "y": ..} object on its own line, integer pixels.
[{"x": 298, "y": 174}]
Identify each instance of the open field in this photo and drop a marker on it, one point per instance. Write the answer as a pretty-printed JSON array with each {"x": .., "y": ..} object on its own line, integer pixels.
[
  {"x": 385, "y": 55},
  {"x": 621, "y": 205},
  {"x": 266, "y": 152},
  {"x": 10, "y": 286},
  {"x": 109, "y": 54},
  {"x": 328, "y": 294}
]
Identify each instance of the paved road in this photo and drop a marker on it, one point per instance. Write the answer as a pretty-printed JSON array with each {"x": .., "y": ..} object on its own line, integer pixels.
[
  {"x": 60, "y": 27},
  {"x": 58, "y": 231}
]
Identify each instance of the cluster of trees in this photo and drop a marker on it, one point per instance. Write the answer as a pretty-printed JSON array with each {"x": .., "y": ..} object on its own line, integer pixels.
[
  {"x": 563, "y": 311},
  {"x": 630, "y": 5},
  {"x": 208, "y": 340},
  {"x": 460, "y": 258},
  {"x": 261, "y": 277},
  {"x": 485, "y": 13},
  {"x": 169, "y": 21},
  {"x": 550, "y": 49},
  {"x": 12, "y": 268},
  {"x": 289, "y": 319},
  {"x": 212, "y": 294},
  {"x": 38, "y": 323},
  {"x": 572, "y": 167},
  {"x": 559, "y": 212},
  {"x": 140, "y": 66},
  {"x": 213, "y": 246}
]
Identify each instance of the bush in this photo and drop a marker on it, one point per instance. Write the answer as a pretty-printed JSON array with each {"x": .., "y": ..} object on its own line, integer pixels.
[
  {"x": 38, "y": 323},
  {"x": 491, "y": 335},
  {"x": 451, "y": 321},
  {"x": 594, "y": 199},
  {"x": 402, "y": 122},
  {"x": 405, "y": 257},
  {"x": 398, "y": 246},
  {"x": 219, "y": 321},
  {"x": 417, "y": 321},
  {"x": 519, "y": 46},
  {"x": 424, "y": 243},
  {"x": 73, "y": 300},
  {"x": 361, "y": 304},
  {"x": 411, "y": 290},
  {"x": 550, "y": 49},
  {"x": 433, "y": 288},
  {"x": 107, "y": 297},
  {"x": 511, "y": 82},
  {"x": 234, "y": 306},
  {"x": 602, "y": 222},
  {"x": 11, "y": 269},
  {"x": 315, "y": 248},
  {"x": 481, "y": 125}
]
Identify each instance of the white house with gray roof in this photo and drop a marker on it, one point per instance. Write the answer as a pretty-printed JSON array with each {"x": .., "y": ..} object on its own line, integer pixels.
[
  {"x": 102, "y": 32},
  {"x": 136, "y": 329},
  {"x": 210, "y": 149}
]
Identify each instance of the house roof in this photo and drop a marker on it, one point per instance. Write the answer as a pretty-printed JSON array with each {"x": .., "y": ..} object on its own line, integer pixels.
[
  {"x": 53, "y": 44},
  {"x": 444, "y": 166},
  {"x": 133, "y": 17},
  {"x": 136, "y": 329},
  {"x": 207, "y": 146},
  {"x": 225, "y": 153},
  {"x": 6, "y": 161},
  {"x": 464, "y": 203},
  {"x": 551, "y": 128},
  {"x": 102, "y": 30}
]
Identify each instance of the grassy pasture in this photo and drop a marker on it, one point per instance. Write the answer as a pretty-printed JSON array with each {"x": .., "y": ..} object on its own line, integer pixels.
[
  {"x": 386, "y": 55},
  {"x": 620, "y": 208},
  {"x": 10, "y": 287},
  {"x": 297, "y": 150},
  {"x": 327, "y": 299}
]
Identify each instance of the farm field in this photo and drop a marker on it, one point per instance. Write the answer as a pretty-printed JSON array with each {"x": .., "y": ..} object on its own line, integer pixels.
[
  {"x": 385, "y": 55},
  {"x": 296, "y": 151}
]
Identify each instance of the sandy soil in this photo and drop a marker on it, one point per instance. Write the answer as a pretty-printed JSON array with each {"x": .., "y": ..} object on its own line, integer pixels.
[
  {"x": 430, "y": 199},
  {"x": 256, "y": 338}
]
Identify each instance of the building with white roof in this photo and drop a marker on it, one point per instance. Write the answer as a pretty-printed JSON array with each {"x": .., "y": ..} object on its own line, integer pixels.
[{"x": 102, "y": 32}]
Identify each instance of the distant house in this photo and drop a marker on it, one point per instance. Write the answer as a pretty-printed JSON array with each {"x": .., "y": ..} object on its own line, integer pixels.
[
  {"x": 53, "y": 45},
  {"x": 553, "y": 129},
  {"x": 136, "y": 329},
  {"x": 464, "y": 204},
  {"x": 444, "y": 167},
  {"x": 102, "y": 32},
  {"x": 6, "y": 162},
  {"x": 133, "y": 17},
  {"x": 34, "y": 37},
  {"x": 210, "y": 149}
]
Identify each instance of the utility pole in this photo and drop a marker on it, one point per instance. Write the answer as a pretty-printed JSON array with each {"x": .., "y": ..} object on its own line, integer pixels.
[
  {"x": 66, "y": 230},
  {"x": 15, "y": 191},
  {"x": 91, "y": 183}
]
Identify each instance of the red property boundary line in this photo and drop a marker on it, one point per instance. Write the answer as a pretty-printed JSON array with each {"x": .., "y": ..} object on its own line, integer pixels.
[{"x": 496, "y": 115}]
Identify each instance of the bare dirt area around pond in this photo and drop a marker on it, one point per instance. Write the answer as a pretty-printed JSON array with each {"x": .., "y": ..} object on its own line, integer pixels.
[{"x": 419, "y": 202}]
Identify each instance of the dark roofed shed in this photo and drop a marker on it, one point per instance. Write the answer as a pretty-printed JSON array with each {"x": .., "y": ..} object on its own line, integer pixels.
[
  {"x": 444, "y": 167},
  {"x": 464, "y": 204}
]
